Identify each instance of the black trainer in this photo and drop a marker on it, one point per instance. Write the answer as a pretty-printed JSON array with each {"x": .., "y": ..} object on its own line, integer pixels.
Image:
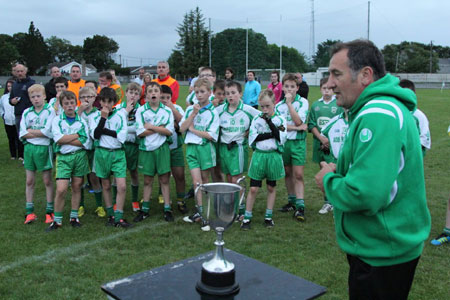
[
  {"x": 182, "y": 207},
  {"x": 299, "y": 214},
  {"x": 189, "y": 194},
  {"x": 111, "y": 221},
  {"x": 268, "y": 223},
  {"x": 141, "y": 216},
  {"x": 193, "y": 218},
  {"x": 168, "y": 216},
  {"x": 53, "y": 226},
  {"x": 287, "y": 208},
  {"x": 123, "y": 223},
  {"x": 246, "y": 224},
  {"x": 75, "y": 222}
]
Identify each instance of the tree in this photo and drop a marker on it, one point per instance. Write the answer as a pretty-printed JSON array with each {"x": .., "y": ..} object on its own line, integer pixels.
[
  {"x": 8, "y": 53},
  {"x": 59, "y": 49},
  {"x": 33, "y": 50},
  {"x": 192, "y": 50},
  {"x": 98, "y": 50},
  {"x": 409, "y": 57},
  {"x": 322, "y": 56}
]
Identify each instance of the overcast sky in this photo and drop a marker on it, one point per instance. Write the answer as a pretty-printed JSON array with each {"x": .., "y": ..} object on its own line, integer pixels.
[{"x": 147, "y": 29}]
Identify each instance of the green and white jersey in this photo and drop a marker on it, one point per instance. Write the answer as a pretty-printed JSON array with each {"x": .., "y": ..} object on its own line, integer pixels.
[
  {"x": 86, "y": 116},
  {"x": 131, "y": 122},
  {"x": 206, "y": 120},
  {"x": 259, "y": 125},
  {"x": 191, "y": 99},
  {"x": 335, "y": 131},
  {"x": 37, "y": 120},
  {"x": 162, "y": 116},
  {"x": 234, "y": 125},
  {"x": 177, "y": 138},
  {"x": 61, "y": 127},
  {"x": 424, "y": 129},
  {"x": 301, "y": 106},
  {"x": 54, "y": 103},
  {"x": 322, "y": 112},
  {"x": 116, "y": 122}
]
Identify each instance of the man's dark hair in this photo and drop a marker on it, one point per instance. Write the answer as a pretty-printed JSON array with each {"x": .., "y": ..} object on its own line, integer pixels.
[
  {"x": 106, "y": 75},
  {"x": 362, "y": 53},
  {"x": 166, "y": 90},
  {"x": 108, "y": 94},
  {"x": 236, "y": 84},
  {"x": 62, "y": 80},
  {"x": 407, "y": 84},
  {"x": 92, "y": 81}
]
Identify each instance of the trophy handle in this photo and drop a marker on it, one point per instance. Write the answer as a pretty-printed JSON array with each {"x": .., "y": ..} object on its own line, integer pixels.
[{"x": 243, "y": 184}]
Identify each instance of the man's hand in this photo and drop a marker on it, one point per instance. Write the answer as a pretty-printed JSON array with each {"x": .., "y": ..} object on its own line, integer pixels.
[
  {"x": 15, "y": 100},
  {"x": 325, "y": 168}
]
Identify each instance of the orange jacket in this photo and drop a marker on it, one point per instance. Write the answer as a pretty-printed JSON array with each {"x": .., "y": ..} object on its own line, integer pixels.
[
  {"x": 172, "y": 83},
  {"x": 119, "y": 92},
  {"x": 75, "y": 88}
]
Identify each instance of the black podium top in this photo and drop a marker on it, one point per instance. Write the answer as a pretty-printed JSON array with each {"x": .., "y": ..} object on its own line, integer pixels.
[{"x": 177, "y": 281}]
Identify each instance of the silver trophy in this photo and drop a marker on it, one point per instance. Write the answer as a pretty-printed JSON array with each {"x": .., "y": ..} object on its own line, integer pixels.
[{"x": 221, "y": 203}]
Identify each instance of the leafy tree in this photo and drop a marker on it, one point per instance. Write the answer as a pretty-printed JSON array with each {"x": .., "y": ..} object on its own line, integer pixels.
[
  {"x": 409, "y": 57},
  {"x": 98, "y": 50},
  {"x": 76, "y": 53},
  {"x": 192, "y": 50},
  {"x": 322, "y": 56},
  {"x": 59, "y": 49},
  {"x": 8, "y": 53}
]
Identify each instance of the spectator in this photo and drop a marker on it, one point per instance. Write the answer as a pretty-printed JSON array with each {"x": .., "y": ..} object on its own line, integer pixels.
[
  {"x": 164, "y": 78},
  {"x": 229, "y": 74},
  {"x": 50, "y": 91},
  {"x": 252, "y": 90},
  {"x": 75, "y": 82},
  {"x": 140, "y": 80},
  {"x": 9, "y": 119}
]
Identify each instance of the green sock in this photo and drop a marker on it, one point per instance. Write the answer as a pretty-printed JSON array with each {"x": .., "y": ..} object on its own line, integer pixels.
[
  {"x": 49, "y": 208},
  {"x": 114, "y": 193},
  {"x": 248, "y": 215},
  {"x": 291, "y": 199},
  {"x": 167, "y": 207},
  {"x": 241, "y": 209},
  {"x": 58, "y": 217},
  {"x": 82, "y": 197},
  {"x": 146, "y": 206},
  {"x": 269, "y": 213},
  {"x": 118, "y": 215},
  {"x": 98, "y": 198},
  {"x": 110, "y": 211},
  {"x": 74, "y": 213},
  {"x": 299, "y": 203},
  {"x": 134, "y": 193},
  {"x": 29, "y": 207},
  {"x": 200, "y": 209},
  {"x": 447, "y": 231}
]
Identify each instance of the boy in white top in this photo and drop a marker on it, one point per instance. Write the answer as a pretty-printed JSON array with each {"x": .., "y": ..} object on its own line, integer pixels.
[
  {"x": 35, "y": 133},
  {"x": 61, "y": 84},
  {"x": 86, "y": 111},
  {"x": 109, "y": 132},
  {"x": 154, "y": 125},
  {"x": 71, "y": 135},
  {"x": 201, "y": 124},
  {"x": 267, "y": 136},
  {"x": 295, "y": 110}
]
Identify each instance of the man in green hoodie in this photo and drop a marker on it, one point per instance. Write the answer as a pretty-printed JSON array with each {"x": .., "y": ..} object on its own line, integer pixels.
[{"x": 377, "y": 187}]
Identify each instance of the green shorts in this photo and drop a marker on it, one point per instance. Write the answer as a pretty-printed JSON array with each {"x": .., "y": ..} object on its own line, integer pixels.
[
  {"x": 90, "y": 156},
  {"x": 155, "y": 162},
  {"x": 294, "y": 153},
  {"x": 37, "y": 157},
  {"x": 201, "y": 156},
  {"x": 132, "y": 155},
  {"x": 177, "y": 157},
  {"x": 72, "y": 164},
  {"x": 110, "y": 161},
  {"x": 317, "y": 155},
  {"x": 233, "y": 161},
  {"x": 266, "y": 165}
]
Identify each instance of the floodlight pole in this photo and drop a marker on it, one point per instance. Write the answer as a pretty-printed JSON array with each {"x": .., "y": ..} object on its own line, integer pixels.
[
  {"x": 281, "y": 51},
  {"x": 368, "y": 20},
  {"x": 246, "y": 51},
  {"x": 209, "y": 38}
]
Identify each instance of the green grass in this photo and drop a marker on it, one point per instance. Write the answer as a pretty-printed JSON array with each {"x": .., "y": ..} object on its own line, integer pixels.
[{"x": 73, "y": 263}]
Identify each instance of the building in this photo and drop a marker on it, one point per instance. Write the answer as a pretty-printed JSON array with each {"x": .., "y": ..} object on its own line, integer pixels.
[{"x": 65, "y": 67}]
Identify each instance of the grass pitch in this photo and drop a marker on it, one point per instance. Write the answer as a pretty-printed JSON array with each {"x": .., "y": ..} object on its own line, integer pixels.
[{"x": 73, "y": 263}]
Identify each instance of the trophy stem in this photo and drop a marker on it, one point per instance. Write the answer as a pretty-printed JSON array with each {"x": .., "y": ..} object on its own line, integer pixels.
[{"x": 219, "y": 245}]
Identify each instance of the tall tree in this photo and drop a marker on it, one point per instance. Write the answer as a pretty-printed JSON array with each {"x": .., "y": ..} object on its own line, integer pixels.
[
  {"x": 8, "y": 53},
  {"x": 98, "y": 50},
  {"x": 59, "y": 49},
  {"x": 409, "y": 57},
  {"x": 322, "y": 56},
  {"x": 192, "y": 50},
  {"x": 33, "y": 50}
]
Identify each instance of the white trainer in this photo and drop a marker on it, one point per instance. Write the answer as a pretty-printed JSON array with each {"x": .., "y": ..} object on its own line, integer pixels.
[{"x": 326, "y": 208}]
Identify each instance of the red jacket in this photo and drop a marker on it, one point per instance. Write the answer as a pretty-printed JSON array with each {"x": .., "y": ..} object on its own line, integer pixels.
[{"x": 172, "y": 83}]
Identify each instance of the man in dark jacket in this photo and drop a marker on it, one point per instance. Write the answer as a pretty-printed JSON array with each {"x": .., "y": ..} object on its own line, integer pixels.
[
  {"x": 50, "y": 91},
  {"x": 19, "y": 95}
]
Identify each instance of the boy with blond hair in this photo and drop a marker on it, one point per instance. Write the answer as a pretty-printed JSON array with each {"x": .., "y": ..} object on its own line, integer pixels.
[
  {"x": 201, "y": 124},
  {"x": 35, "y": 134},
  {"x": 154, "y": 125},
  {"x": 71, "y": 135}
]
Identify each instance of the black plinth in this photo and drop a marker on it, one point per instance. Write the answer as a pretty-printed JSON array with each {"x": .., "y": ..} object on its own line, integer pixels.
[
  {"x": 220, "y": 284},
  {"x": 178, "y": 281}
]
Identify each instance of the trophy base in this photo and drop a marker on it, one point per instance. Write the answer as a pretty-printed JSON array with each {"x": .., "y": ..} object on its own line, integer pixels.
[{"x": 220, "y": 284}]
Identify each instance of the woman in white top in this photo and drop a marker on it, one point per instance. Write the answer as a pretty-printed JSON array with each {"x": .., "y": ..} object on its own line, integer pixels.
[{"x": 7, "y": 113}]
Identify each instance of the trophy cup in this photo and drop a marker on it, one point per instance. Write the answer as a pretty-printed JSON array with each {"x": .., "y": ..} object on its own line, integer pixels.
[{"x": 221, "y": 203}]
